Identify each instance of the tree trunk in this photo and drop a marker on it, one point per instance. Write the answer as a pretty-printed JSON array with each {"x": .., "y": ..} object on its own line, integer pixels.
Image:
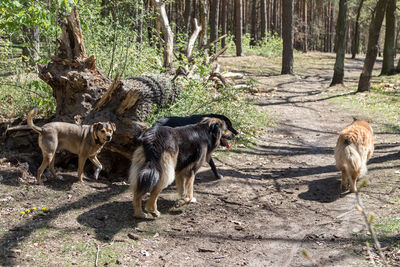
[
  {"x": 305, "y": 48},
  {"x": 287, "y": 36},
  {"x": 264, "y": 19},
  {"x": 238, "y": 28},
  {"x": 214, "y": 14},
  {"x": 187, "y": 14},
  {"x": 275, "y": 16},
  {"x": 84, "y": 96},
  {"x": 340, "y": 44},
  {"x": 372, "y": 49},
  {"x": 203, "y": 20},
  {"x": 168, "y": 34},
  {"x": 355, "y": 44},
  {"x": 253, "y": 30},
  {"x": 389, "y": 46},
  {"x": 224, "y": 20}
]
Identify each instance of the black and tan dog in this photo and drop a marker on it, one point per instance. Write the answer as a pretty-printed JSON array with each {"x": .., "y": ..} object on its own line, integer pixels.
[
  {"x": 86, "y": 141},
  {"x": 176, "y": 121},
  {"x": 166, "y": 154}
]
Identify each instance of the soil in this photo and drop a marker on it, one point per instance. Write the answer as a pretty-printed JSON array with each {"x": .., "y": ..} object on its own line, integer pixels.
[{"x": 279, "y": 197}]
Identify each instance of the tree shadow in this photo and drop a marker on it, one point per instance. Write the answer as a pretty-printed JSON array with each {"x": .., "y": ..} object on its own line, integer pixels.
[
  {"x": 12, "y": 239},
  {"x": 109, "y": 219}
]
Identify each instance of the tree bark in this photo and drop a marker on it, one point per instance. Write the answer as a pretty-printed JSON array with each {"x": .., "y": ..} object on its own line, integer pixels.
[
  {"x": 389, "y": 46},
  {"x": 355, "y": 44},
  {"x": 224, "y": 20},
  {"x": 204, "y": 23},
  {"x": 372, "y": 49},
  {"x": 338, "y": 74},
  {"x": 287, "y": 36},
  {"x": 214, "y": 14},
  {"x": 238, "y": 28},
  {"x": 253, "y": 30},
  {"x": 167, "y": 32},
  {"x": 275, "y": 16},
  {"x": 305, "y": 47},
  {"x": 264, "y": 19},
  {"x": 187, "y": 14},
  {"x": 84, "y": 96}
]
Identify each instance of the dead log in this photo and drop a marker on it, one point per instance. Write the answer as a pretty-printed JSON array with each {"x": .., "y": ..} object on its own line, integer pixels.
[{"x": 84, "y": 95}]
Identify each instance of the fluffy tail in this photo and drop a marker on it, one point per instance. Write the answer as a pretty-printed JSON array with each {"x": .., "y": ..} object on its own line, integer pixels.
[
  {"x": 30, "y": 121},
  {"x": 143, "y": 174},
  {"x": 357, "y": 164},
  {"x": 148, "y": 177}
]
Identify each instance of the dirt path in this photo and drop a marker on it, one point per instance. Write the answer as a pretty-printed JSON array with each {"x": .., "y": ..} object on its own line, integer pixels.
[{"x": 278, "y": 198}]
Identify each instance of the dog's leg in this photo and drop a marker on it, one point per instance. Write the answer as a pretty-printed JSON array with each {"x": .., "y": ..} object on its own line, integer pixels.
[
  {"x": 137, "y": 205},
  {"x": 53, "y": 171},
  {"x": 188, "y": 194},
  {"x": 179, "y": 184},
  {"x": 46, "y": 160},
  {"x": 81, "y": 164},
  {"x": 151, "y": 204},
  {"x": 214, "y": 169},
  {"x": 353, "y": 181},
  {"x": 98, "y": 165},
  {"x": 344, "y": 185}
]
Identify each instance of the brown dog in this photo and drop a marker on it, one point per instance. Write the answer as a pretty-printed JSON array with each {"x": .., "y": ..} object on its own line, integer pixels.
[
  {"x": 86, "y": 141},
  {"x": 166, "y": 154},
  {"x": 354, "y": 148}
]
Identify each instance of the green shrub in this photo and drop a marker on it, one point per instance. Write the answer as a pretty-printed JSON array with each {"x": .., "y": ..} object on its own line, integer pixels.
[{"x": 270, "y": 46}]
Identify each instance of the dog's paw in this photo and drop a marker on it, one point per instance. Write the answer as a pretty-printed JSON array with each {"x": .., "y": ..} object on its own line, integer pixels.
[
  {"x": 141, "y": 215},
  {"x": 194, "y": 200},
  {"x": 185, "y": 201},
  {"x": 155, "y": 214},
  {"x": 60, "y": 177},
  {"x": 219, "y": 176}
]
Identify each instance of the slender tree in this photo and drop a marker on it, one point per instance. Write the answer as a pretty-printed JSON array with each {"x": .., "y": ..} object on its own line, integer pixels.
[
  {"x": 287, "y": 36},
  {"x": 238, "y": 28},
  {"x": 372, "y": 49},
  {"x": 338, "y": 74},
  {"x": 305, "y": 47},
  {"x": 214, "y": 13},
  {"x": 253, "y": 29},
  {"x": 264, "y": 18},
  {"x": 355, "y": 44},
  {"x": 389, "y": 47},
  {"x": 187, "y": 14},
  {"x": 224, "y": 20},
  {"x": 167, "y": 32}
]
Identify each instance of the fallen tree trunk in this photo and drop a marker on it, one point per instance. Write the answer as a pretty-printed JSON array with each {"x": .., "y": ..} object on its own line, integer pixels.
[{"x": 84, "y": 96}]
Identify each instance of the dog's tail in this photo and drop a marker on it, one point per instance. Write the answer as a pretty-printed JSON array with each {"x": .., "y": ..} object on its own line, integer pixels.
[
  {"x": 144, "y": 174},
  {"x": 354, "y": 157},
  {"x": 29, "y": 120}
]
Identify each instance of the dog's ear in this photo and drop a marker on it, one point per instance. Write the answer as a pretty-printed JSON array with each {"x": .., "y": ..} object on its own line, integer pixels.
[
  {"x": 97, "y": 126},
  {"x": 114, "y": 128},
  {"x": 215, "y": 128}
]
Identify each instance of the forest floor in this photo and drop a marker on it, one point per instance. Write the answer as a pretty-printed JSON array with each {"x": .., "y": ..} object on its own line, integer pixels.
[{"x": 279, "y": 196}]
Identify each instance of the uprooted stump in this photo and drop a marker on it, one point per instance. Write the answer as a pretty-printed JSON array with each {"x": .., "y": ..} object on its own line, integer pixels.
[{"x": 84, "y": 95}]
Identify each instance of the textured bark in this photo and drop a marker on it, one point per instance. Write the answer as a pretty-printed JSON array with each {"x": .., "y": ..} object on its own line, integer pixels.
[
  {"x": 84, "y": 96},
  {"x": 305, "y": 47},
  {"x": 214, "y": 15},
  {"x": 389, "y": 47},
  {"x": 264, "y": 19},
  {"x": 168, "y": 34},
  {"x": 238, "y": 28},
  {"x": 253, "y": 29},
  {"x": 372, "y": 49},
  {"x": 287, "y": 36},
  {"x": 338, "y": 74},
  {"x": 224, "y": 20},
  {"x": 187, "y": 14},
  {"x": 355, "y": 44}
]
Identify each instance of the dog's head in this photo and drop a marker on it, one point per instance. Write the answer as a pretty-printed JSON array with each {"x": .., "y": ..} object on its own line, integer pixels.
[
  {"x": 103, "y": 131},
  {"x": 228, "y": 124},
  {"x": 220, "y": 131}
]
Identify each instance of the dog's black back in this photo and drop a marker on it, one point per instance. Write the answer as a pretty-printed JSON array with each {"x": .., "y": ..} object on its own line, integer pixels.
[{"x": 176, "y": 121}]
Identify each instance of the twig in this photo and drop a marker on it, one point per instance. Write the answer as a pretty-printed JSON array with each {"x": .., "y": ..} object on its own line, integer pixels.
[
  {"x": 368, "y": 222},
  {"x": 97, "y": 254}
]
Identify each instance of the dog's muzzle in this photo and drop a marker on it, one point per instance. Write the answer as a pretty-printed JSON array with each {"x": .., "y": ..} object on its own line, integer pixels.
[{"x": 108, "y": 138}]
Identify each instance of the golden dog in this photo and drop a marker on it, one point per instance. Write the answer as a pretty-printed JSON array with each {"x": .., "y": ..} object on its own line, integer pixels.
[
  {"x": 354, "y": 148},
  {"x": 84, "y": 140}
]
